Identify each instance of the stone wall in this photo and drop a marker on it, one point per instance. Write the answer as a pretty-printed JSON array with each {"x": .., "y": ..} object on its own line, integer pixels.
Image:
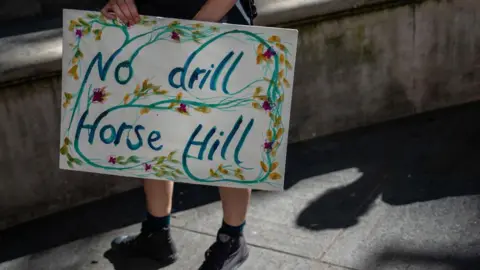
[{"x": 352, "y": 71}]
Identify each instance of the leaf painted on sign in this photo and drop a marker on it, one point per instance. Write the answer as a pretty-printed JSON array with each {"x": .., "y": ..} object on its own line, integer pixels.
[
  {"x": 260, "y": 49},
  {"x": 203, "y": 109},
  {"x": 73, "y": 72},
  {"x": 260, "y": 59},
  {"x": 64, "y": 150},
  {"x": 264, "y": 166},
  {"x": 280, "y": 133},
  {"x": 274, "y": 38},
  {"x": 126, "y": 98},
  {"x": 281, "y": 98},
  {"x": 214, "y": 174},
  {"x": 278, "y": 121},
  {"x": 160, "y": 160},
  {"x": 280, "y": 46},
  {"x": 269, "y": 135},
  {"x": 274, "y": 166},
  {"x": 144, "y": 111},
  {"x": 288, "y": 65},
  {"x": 98, "y": 34},
  {"x": 77, "y": 161},
  {"x": 221, "y": 169},
  {"x": 92, "y": 16},
  {"x": 275, "y": 176},
  {"x": 170, "y": 155},
  {"x": 258, "y": 90}
]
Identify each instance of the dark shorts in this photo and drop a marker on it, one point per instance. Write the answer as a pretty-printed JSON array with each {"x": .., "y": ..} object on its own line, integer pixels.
[{"x": 186, "y": 9}]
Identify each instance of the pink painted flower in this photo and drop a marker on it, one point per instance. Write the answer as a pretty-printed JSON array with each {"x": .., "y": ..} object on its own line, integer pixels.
[
  {"x": 269, "y": 53},
  {"x": 99, "y": 95},
  {"x": 182, "y": 108},
  {"x": 112, "y": 160},
  {"x": 268, "y": 146},
  {"x": 266, "y": 105},
  {"x": 78, "y": 33},
  {"x": 148, "y": 167},
  {"x": 175, "y": 36}
]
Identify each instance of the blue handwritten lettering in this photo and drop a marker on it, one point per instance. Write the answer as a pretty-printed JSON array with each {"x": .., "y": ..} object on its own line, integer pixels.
[
  {"x": 203, "y": 74},
  {"x": 153, "y": 137},
  {"x": 205, "y": 142},
  {"x": 109, "y": 134}
]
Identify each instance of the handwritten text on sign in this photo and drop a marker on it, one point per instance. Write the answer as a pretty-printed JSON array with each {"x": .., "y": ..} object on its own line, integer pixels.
[{"x": 176, "y": 100}]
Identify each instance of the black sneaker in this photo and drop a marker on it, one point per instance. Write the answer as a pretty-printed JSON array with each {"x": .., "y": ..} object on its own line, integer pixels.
[
  {"x": 227, "y": 253},
  {"x": 157, "y": 245}
]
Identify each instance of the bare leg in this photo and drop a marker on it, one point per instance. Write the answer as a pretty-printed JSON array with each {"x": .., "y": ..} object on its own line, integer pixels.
[
  {"x": 159, "y": 197},
  {"x": 230, "y": 238},
  {"x": 235, "y": 202},
  {"x": 154, "y": 241}
]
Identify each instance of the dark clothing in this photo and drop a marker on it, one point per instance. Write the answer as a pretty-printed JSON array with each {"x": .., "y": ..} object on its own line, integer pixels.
[{"x": 180, "y": 10}]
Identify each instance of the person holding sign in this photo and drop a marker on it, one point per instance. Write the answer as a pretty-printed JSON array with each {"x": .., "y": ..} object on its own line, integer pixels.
[{"x": 230, "y": 249}]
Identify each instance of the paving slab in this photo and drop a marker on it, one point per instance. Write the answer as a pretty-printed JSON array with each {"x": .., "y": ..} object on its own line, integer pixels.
[
  {"x": 272, "y": 217},
  {"x": 93, "y": 254},
  {"x": 440, "y": 234}
]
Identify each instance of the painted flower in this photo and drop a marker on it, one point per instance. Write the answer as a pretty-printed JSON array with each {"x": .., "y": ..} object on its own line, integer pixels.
[
  {"x": 175, "y": 36},
  {"x": 268, "y": 146},
  {"x": 112, "y": 160},
  {"x": 99, "y": 95},
  {"x": 148, "y": 167},
  {"x": 266, "y": 105},
  {"x": 78, "y": 33},
  {"x": 182, "y": 108},
  {"x": 269, "y": 53}
]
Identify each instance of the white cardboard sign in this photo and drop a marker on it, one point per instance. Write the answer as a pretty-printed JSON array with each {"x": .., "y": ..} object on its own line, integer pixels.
[{"x": 179, "y": 100}]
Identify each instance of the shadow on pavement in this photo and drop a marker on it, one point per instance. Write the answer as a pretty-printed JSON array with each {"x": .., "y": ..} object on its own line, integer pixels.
[
  {"x": 97, "y": 217},
  {"x": 397, "y": 258},
  {"x": 414, "y": 159},
  {"x": 417, "y": 159},
  {"x": 121, "y": 262}
]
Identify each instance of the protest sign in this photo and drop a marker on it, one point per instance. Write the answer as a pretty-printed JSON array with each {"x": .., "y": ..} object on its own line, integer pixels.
[{"x": 179, "y": 100}]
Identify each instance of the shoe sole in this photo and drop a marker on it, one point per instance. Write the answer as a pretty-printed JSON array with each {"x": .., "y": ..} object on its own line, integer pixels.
[
  {"x": 241, "y": 261},
  {"x": 165, "y": 263},
  {"x": 137, "y": 254}
]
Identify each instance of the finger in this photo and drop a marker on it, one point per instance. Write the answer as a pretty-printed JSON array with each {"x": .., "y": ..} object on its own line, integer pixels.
[
  {"x": 107, "y": 12},
  {"x": 124, "y": 7},
  {"x": 119, "y": 13},
  {"x": 133, "y": 10}
]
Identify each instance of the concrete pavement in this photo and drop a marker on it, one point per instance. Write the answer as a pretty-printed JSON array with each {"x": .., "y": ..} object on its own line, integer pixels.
[{"x": 400, "y": 195}]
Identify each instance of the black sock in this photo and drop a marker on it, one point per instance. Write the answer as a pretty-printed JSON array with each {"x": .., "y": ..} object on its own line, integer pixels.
[
  {"x": 232, "y": 231},
  {"x": 155, "y": 224}
]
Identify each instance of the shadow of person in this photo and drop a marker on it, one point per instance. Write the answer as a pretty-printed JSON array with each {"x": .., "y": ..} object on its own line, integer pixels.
[
  {"x": 417, "y": 159},
  {"x": 340, "y": 207},
  {"x": 121, "y": 261}
]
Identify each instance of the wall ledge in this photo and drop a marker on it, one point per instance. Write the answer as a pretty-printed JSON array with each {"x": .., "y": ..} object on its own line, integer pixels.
[{"x": 39, "y": 54}]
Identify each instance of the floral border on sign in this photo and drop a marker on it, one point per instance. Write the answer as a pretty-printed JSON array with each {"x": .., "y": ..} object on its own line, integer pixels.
[{"x": 271, "y": 54}]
